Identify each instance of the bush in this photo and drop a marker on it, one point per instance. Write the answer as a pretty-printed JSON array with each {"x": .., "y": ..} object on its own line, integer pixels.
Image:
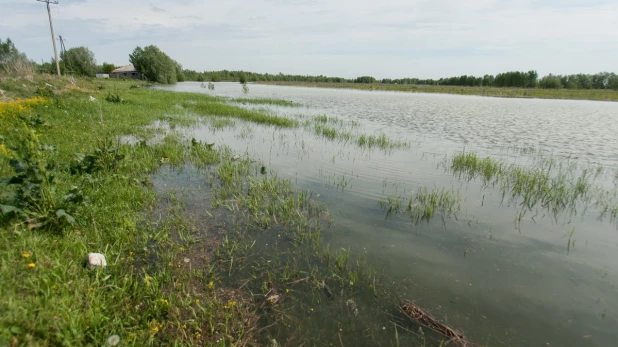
[{"x": 115, "y": 98}]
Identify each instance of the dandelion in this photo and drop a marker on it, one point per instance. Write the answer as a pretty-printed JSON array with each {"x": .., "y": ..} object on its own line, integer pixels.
[
  {"x": 211, "y": 285},
  {"x": 25, "y": 255},
  {"x": 31, "y": 265},
  {"x": 287, "y": 290},
  {"x": 131, "y": 253},
  {"x": 198, "y": 335},
  {"x": 155, "y": 329},
  {"x": 197, "y": 301}
]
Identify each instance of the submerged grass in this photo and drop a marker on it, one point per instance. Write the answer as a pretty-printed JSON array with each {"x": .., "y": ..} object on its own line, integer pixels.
[
  {"x": 423, "y": 204},
  {"x": 168, "y": 281},
  {"x": 50, "y": 298},
  {"x": 553, "y": 187},
  {"x": 320, "y": 126}
]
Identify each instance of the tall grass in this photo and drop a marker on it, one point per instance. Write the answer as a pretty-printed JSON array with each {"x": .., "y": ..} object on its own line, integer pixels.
[
  {"x": 551, "y": 187},
  {"x": 423, "y": 204}
]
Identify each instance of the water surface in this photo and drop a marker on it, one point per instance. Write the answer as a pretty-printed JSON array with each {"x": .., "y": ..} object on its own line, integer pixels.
[{"x": 502, "y": 284}]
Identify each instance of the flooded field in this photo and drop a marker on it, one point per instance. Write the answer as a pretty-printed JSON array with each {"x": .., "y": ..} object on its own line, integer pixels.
[{"x": 498, "y": 216}]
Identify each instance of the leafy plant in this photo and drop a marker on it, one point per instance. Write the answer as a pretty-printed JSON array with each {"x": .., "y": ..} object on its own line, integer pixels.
[
  {"x": 45, "y": 92},
  {"x": 32, "y": 192},
  {"x": 103, "y": 157},
  {"x": 115, "y": 98}
]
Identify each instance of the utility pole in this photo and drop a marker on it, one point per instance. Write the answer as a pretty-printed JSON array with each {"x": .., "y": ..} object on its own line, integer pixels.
[
  {"x": 51, "y": 27},
  {"x": 66, "y": 58}
]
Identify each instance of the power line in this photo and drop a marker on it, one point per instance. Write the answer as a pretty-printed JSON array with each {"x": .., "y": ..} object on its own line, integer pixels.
[{"x": 51, "y": 27}]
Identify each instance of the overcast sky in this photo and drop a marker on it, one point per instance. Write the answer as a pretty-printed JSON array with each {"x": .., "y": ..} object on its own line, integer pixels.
[{"x": 382, "y": 38}]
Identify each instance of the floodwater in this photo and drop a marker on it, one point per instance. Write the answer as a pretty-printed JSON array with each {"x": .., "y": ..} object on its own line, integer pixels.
[{"x": 501, "y": 283}]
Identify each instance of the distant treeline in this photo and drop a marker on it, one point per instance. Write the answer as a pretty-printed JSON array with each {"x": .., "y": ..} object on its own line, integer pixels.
[{"x": 516, "y": 79}]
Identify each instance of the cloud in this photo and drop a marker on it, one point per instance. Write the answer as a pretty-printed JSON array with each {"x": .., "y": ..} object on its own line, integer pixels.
[{"x": 389, "y": 38}]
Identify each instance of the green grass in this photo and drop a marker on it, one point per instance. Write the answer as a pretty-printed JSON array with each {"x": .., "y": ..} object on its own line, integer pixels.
[
  {"x": 551, "y": 186},
  {"x": 583, "y": 94},
  {"x": 149, "y": 294},
  {"x": 49, "y": 298},
  {"x": 337, "y": 132},
  {"x": 423, "y": 204},
  {"x": 267, "y": 101}
]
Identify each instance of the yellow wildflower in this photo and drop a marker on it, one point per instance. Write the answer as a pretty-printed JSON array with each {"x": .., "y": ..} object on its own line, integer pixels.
[
  {"x": 31, "y": 265},
  {"x": 211, "y": 285},
  {"x": 155, "y": 329},
  {"x": 25, "y": 255}
]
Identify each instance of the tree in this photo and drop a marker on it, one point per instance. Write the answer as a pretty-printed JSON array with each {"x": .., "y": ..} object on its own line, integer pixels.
[
  {"x": 155, "y": 65},
  {"x": 79, "y": 60},
  {"x": 242, "y": 77},
  {"x": 551, "y": 82},
  {"x": 365, "y": 79},
  {"x": 13, "y": 61},
  {"x": 107, "y": 68}
]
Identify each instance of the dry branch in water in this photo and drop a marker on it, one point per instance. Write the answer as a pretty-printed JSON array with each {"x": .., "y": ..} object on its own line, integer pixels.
[{"x": 423, "y": 318}]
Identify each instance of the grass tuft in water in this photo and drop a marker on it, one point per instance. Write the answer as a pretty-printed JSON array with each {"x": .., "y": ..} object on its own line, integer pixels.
[
  {"x": 552, "y": 187},
  {"x": 267, "y": 101},
  {"x": 423, "y": 204}
]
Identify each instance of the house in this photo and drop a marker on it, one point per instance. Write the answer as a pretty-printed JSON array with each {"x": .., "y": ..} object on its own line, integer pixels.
[
  {"x": 102, "y": 75},
  {"x": 126, "y": 72}
]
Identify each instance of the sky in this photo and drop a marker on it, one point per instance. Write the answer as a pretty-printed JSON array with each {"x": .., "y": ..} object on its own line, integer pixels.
[{"x": 346, "y": 38}]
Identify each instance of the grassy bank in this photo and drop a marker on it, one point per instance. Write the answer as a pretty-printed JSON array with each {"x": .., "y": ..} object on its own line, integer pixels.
[
  {"x": 575, "y": 94},
  {"x": 85, "y": 172},
  {"x": 74, "y": 189}
]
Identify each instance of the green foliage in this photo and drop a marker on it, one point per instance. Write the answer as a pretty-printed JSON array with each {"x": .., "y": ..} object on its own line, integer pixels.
[
  {"x": 80, "y": 61},
  {"x": 44, "y": 91},
  {"x": 115, "y": 98},
  {"x": 510, "y": 79},
  {"x": 156, "y": 66},
  {"x": 104, "y": 157},
  {"x": 31, "y": 195},
  {"x": 550, "y": 82},
  {"x": 365, "y": 79},
  {"x": 242, "y": 77},
  {"x": 107, "y": 68},
  {"x": 11, "y": 60}
]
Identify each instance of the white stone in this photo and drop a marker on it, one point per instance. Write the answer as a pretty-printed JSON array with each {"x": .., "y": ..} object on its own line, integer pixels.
[
  {"x": 113, "y": 340},
  {"x": 96, "y": 259}
]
